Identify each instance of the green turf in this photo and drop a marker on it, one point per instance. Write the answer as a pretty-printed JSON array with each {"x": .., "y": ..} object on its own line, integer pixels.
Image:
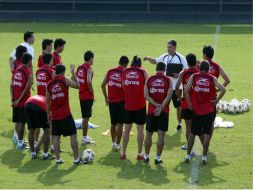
[{"x": 230, "y": 155}]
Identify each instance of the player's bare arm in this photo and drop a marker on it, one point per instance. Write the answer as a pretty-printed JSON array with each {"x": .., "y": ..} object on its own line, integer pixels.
[
  {"x": 186, "y": 93},
  {"x": 104, "y": 91}
]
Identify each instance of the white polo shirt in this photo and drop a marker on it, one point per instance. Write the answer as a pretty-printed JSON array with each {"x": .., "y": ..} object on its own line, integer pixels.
[
  {"x": 29, "y": 48},
  {"x": 177, "y": 59}
]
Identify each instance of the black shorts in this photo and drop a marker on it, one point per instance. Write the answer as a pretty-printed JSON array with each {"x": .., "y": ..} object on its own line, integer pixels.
[
  {"x": 18, "y": 115},
  {"x": 201, "y": 124},
  {"x": 155, "y": 123},
  {"x": 86, "y": 108},
  {"x": 214, "y": 113},
  {"x": 65, "y": 127},
  {"x": 186, "y": 114},
  {"x": 116, "y": 110},
  {"x": 36, "y": 117},
  {"x": 174, "y": 99},
  {"x": 138, "y": 116}
]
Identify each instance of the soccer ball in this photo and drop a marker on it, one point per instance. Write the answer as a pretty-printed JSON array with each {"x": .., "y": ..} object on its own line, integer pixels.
[
  {"x": 88, "y": 156},
  {"x": 239, "y": 108},
  {"x": 232, "y": 108},
  {"x": 226, "y": 107}
]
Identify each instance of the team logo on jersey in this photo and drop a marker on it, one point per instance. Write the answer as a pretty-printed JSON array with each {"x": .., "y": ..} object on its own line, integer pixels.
[
  {"x": 158, "y": 82},
  {"x": 115, "y": 76},
  {"x": 41, "y": 76},
  {"x": 56, "y": 88},
  {"x": 211, "y": 69},
  {"x": 80, "y": 73},
  {"x": 132, "y": 75},
  {"x": 18, "y": 76},
  {"x": 202, "y": 82},
  {"x": 154, "y": 90}
]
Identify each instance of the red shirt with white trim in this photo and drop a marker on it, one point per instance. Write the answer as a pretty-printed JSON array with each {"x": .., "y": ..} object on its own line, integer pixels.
[
  {"x": 38, "y": 100},
  {"x": 43, "y": 76}
]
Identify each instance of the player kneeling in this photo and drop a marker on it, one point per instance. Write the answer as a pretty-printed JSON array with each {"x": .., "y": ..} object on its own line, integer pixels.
[
  {"x": 36, "y": 116},
  {"x": 158, "y": 91}
]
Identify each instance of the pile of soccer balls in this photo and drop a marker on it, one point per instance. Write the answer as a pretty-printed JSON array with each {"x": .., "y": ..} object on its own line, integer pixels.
[{"x": 234, "y": 106}]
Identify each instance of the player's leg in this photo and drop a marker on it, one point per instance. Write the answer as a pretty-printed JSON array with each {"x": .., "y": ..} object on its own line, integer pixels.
[
  {"x": 119, "y": 133},
  {"x": 160, "y": 146},
  {"x": 140, "y": 120},
  {"x": 36, "y": 138},
  {"x": 74, "y": 146},
  {"x": 148, "y": 145},
  {"x": 126, "y": 136}
]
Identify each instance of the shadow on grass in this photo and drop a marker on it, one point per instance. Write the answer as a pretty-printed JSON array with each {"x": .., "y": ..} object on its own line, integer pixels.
[
  {"x": 172, "y": 141},
  {"x": 143, "y": 172},
  {"x": 111, "y": 159},
  {"x": 204, "y": 174},
  {"x": 7, "y": 134},
  {"x": 35, "y": 166},
  {"x": 54, "y": 176},
  {"x": 13, "y": 158}
]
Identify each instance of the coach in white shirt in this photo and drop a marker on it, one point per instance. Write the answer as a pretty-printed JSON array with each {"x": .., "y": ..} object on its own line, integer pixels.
[
  {"x": 28, "y": 41},
  {"x": 172, "y": 57}
]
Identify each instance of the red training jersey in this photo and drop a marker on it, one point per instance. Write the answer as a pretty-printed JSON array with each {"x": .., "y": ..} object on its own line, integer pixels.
[
  {"x": 43, "y": 76},
  {"x": 40, "y": 61},
  {"x": 38, "y": 101},
  {"x": 115, "y": 88},
  {"x": 134, "y": 82},
  {"x": 186, "y": 75},
  {"x": 15, "y": 65},
  {"x": 59, "y": 98},
  {"x": 214, "y": 68},
  {"x": 158, "y": 86},
  {"x": 203, "y": 93},
  {"x": 84, "y": 91},
  {"x": 56, "y": 60},
  {"x": 19, "y": 81}
]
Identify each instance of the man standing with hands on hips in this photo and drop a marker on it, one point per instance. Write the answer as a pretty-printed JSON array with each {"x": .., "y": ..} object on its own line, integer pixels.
[{"x": 175, "y": 63}]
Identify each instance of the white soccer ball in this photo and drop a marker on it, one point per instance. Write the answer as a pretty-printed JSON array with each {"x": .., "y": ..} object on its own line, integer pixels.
[
  {"x": 88, "y": 156},
  {"x": 226, "y": 107},
  {"x": 232, "y": 108},
  {"x": 239, "y": 108},
  {"x": 245, "y": 106}
]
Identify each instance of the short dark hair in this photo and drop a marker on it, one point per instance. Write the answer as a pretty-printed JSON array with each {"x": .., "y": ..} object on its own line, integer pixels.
[
  {"x": 20, "y": 50},
  {"x": 45, "y": 43},
  {"x": 191, "y": 59},
  {"x": 160, "y": 66},
  {"x": 208, "y": 51},
  {"x": 26, "y": 58},
  {"x": 47, "y": 57},
  {"x": 60, "y": 68},
  {"x": 123, "y": 60},
  {"x": 59, "y": 42},
  {"x": 28, "y": 34},
  {"x": 136, "y": 61},
  {"x": 88, "y": 55},
  {"x": 172, "y": 42},
  {"x": 204, "y": 66}
]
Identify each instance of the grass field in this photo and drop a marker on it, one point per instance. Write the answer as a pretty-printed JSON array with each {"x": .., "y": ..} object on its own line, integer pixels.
[{"x": 230, "y": 155}]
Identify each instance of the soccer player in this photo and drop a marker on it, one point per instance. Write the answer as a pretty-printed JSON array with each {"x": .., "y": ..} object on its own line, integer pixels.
[
  {"x": 36, "y": 116},
  {"x": 135, "y": 104},
  {"x": 58, "y": 110},
  {"x": 58, "y": 48},
  {"x": 86, "y": 93},
  {"x": 183, "y": 79},
  {"x": 202, "y": 103},
  {"x": 46, "y": 48},
  {"x": 158, "y": 91},
  {"x": 169, "y": 58},
  {"x": 20, "y": 50},
  {"x": 115, "y": 100},
  {"x": 44, "y": 74},
  {"x": 20, "y": 91},
  {"x": 215, "y": 70},
  {"x": 28, "y": 41}
]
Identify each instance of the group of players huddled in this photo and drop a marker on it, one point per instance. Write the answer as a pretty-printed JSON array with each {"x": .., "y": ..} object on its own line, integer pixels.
[{"x": 193, "y": 92}]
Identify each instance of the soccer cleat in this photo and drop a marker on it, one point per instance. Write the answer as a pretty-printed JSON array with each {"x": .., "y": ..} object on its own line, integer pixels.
[
  {"x": 157, "y": 162},
  {"x": 123, "y": 157},
  {"x": 20, "y": 146},
  {"x": 192, "y": 154},
  {"x": 140, "y": 157},
  {"x": 113, "y": 146},
  {"x": 79, "y": 162},
  {"x": 184, "y": 147},
  {"x": 87, "y": 140},
  {"x": 187, "y": 159},
  {"x": 48, "y": 157},
  {"x": 58, "y": 162},
  {"x": 179, "y": 129},
  {"x": 33, "y": 156},
  {"x": 53, "y": 151},
  {"x": 117, "y": 148},
  {"x": 204, "y": 162},
  {"x": 146, "y": 160}
]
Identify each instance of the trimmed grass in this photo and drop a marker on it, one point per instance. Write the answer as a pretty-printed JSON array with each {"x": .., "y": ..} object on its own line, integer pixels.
[{"x": 230, "y": 155}]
